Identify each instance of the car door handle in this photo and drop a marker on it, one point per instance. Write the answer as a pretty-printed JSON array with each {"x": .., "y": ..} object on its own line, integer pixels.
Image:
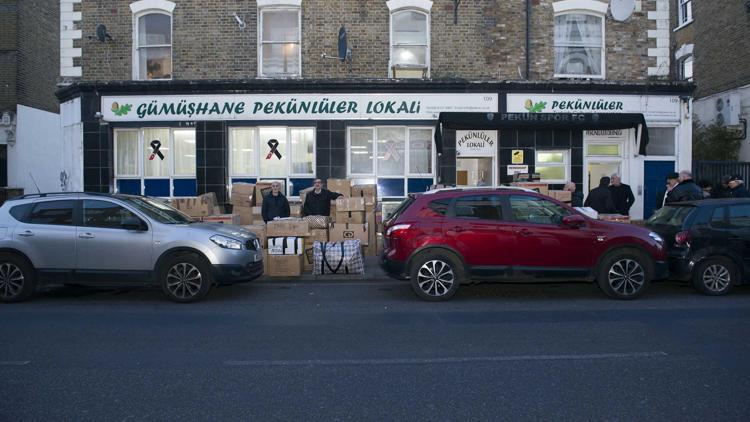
[
  {"x": 458, "y": 229},
  {"x": 524, "y": 232},
  {"x": 27, "y": 233},
  {"x": 86, "y": 235}
]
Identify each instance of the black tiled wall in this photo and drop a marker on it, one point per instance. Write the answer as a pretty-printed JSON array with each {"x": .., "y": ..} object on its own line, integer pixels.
[
  {"x": 211, "y": 158},
  {"x": 98, "y": 167},
  {"x": 330, "y": 149}
]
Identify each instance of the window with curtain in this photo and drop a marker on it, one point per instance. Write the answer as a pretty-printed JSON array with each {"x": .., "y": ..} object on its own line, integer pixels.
[
  {"x": 280, "y": 42},
  {"x": 274, "y": 153},
  {"x": 420, "y": 151},
  {"x": 127, "y": 147},
  {"x": 153, "y": 164},
  {"x": 391, "y": 154},
  {"x": 243, "y": 151},
  {"x": 685, "y": 11},
  {"x": 135, "y": 156},
  {"x": 390, "y": 151},
  {"x": 153, "y": 46},
  {"x": 552, "y": 165},
  {"x": 302, "y": 147},
  {"x": 184, "y": 152},
  {"x": 361, "y": 149},
  {"x": 410, "y": 41},
  {"x": 579, "y": 45}
]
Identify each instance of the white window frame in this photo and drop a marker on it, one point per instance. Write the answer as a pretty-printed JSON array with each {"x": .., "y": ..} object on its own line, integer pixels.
[
  {"x": 685, "y": 6},
  {"x": 375, "y": 166},
  {"x": 675, "y": 140},
  {"x": 275, "y": 6},
  {"x": 417, "y": 6},
  {"x": 147, "y": 7},
  {"x": 583, "y": 7},
  {"x": 620, "y": 144},
  {"x": 565, "y": 164},
  {"x": 256, "y": 130}
]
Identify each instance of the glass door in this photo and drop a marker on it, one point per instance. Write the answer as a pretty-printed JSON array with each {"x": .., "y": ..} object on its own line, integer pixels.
[{"x": 474, "y": 171}]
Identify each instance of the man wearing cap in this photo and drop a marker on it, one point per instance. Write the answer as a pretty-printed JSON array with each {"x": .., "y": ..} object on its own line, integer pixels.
[
  {"x": 672, "y": 180},
  {"x": 686, "y": 189},
  {"x": 737, "y": 187}
]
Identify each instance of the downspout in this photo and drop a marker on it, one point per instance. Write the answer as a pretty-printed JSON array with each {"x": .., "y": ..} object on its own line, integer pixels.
[{"x": 528, "y": 38}]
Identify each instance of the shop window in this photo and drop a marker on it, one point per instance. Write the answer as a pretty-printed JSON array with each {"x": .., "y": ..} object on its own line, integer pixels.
[
  {"x": 661, "y": 141},
  {"x": 391, "y": 154},
  {"x": 410, "y": 38},
  {"x": 579, "y": 39},
  {"x": 553, "y": 165},
  {"x": 155, "y": 165},
  {"x": 271, "y": 152},
  {"x": 243, "y": 150},
  {"x": 279, "y": 53},
  {"x": 391, "y": 151},
  {"x": 152, "y": 39},
  {"x": 127, "y": 145},
  {"x": 302, "y": 150},
  {"x": 684, "y": 12},
  {"x": 420, "y": 151},
  {"x": 361, "y": 151}
]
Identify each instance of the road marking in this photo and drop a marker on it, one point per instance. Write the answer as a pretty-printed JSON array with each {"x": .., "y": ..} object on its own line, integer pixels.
[
  {"x": 14, "y": 362},
  {"x": 434, "y": 361}
]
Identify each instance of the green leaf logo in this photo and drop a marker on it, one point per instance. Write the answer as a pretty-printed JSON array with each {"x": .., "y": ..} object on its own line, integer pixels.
[
  {"x": 534, "y": 108},
  {"x": 121, "y": 110}
]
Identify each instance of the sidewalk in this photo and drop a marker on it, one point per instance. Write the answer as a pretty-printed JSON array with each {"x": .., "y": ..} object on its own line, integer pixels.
[{"x": 373, "y": 272}]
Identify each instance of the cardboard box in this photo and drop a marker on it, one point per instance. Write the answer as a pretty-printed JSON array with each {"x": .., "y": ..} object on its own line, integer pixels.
[
  {"x": 245, "y": 213},
  {"x": 223, "y": 219},
  {"x": 285, "y": 265},
  {"x": 320, "y": 235},
  {"x": 561, "y": 195},
  {"x": 338, "y": 232},
  {"x": 261, "y": 189},
  {"x": 295, "y": 210},
  {"x": 342, "y": 186},
  {"x": 355, "y": 217},
  {"x": 334, "y": 210},
  {"x": 243, "y": 194},
  {"x": 259, "y": 230},
  {"x": 258, "y": 215},
  {"x": 196, "y": 206},
  {"x": 350, "y": 204},
  {"x": 289, "y": 245},
  {"x": 542, "y": 188},
  {"x": 287, "y": 227},
  {"x": 368, "y": 192}
]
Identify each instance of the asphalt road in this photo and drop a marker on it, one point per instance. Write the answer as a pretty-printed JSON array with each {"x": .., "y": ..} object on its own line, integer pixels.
[{"x": 372, "y": 351}]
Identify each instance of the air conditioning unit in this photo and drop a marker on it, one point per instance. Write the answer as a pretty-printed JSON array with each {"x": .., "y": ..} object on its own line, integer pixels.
[{"x": 728, "y": 110}]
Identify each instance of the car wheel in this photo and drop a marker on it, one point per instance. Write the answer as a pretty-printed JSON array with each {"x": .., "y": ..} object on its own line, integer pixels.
[
  {"x": 436, "y": 276},
  {"x": 624, "y": 274},
  {"x": 715, "y": 276},
  {"x": 185, "y": 278},
  {"x": 17, "y": 279}
]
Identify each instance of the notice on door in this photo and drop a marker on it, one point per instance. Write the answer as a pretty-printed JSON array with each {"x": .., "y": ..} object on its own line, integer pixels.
[
  {"x": 513, "y": 169},
  {"x": 517, "y": 156}
]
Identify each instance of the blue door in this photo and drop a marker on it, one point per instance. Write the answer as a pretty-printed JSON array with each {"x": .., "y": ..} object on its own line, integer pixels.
[{"x": 655, "y": 180}]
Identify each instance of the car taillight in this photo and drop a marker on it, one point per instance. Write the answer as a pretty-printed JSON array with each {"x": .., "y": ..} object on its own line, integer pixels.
[
  {"x": 393, "y": 229},
  {"x": 682, "y": 238}
]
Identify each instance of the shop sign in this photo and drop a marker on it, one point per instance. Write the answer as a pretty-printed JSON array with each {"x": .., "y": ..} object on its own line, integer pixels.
[
  {"x": 414, "y": 106},
  {"x": 476, "y": 143},
  {"x": 516, "y": 156},
  {"x": 606, "y": 135},
  {"x": 653, "y": 107},
  {"x": 513, "y": 169}
]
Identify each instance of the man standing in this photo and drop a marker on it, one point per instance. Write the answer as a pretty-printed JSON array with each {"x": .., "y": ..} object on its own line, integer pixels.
[
  {"x": 318, "y": 202},
  {"x": 600, "y": 198},
  {"x": 576, "y": 197},
  {"x": 737, "y": 187},
  {"x": 622, "y": 195},
  {"x": 686, "y": 190},
  {"x": 275, "y": 205},
  {"x": 672, "y": 180}
]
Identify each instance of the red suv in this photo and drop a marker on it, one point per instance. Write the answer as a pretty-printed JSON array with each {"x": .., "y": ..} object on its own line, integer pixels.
[{"x": 443, "y": 238}]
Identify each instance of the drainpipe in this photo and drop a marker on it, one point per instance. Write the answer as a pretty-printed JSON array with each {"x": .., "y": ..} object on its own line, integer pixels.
[{"x": 528, "y": 38}]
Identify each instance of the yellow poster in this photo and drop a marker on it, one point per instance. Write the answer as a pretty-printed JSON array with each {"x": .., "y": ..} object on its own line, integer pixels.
[{"x": 517, "y": 156}]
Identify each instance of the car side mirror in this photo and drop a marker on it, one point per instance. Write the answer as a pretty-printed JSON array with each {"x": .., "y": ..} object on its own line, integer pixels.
[
  {"x": 133, "y": 223},
  {"x": 573, "y": 221}
]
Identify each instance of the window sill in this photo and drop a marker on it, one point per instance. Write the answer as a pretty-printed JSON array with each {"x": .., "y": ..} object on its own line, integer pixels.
[
  {"x": 556, "y": 76},
  {"x": 684, "y": 24}
]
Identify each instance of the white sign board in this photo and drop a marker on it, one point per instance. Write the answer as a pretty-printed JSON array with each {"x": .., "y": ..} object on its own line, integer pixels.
[
  {"x": 413, "y": 106},
  {"x": 517, "y": 168},
  {"x": 606, "y": 135},
  {"x": 476, "y": 143},
  {"x": 653, "y": 107}
]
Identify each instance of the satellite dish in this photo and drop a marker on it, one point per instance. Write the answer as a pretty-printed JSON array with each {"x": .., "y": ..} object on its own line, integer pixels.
[
  {"x": 343, "y": 50},
  {"x": 621, "y": 9},
  {"x": 102, "y": 34}
]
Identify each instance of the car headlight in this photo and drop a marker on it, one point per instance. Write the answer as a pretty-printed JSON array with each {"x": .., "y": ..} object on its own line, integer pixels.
[
  {"x": 256, "y": 242},
  {"x": 656, "y": 237},
  {"x": 226, "y": 242}
]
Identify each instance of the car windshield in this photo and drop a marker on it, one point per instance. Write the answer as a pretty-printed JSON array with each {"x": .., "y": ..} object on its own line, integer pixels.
[
  {"x": 670, "y": 216},
  {"x": 157, "y": 210}
]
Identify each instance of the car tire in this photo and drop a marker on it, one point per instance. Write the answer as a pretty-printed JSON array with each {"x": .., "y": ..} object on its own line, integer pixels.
[
  {"x": 715, "y": 276},
  {"x": 185, "y": 278},
  {"x": 624, "y": 274},
  {"x": 436, "y": 275},
  {"x": 17, "y": 279}
]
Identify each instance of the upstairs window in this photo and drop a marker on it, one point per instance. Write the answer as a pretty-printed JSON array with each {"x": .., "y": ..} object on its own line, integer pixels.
[
  {"x": 684, "y": 12},
  {"x": 410, "y": 38},
  {"x": 579, "y": 45},
  {"x": 152, "y": 39},
  {"x": 279, "y": 39},
  {"x": 686, "y": 68}
]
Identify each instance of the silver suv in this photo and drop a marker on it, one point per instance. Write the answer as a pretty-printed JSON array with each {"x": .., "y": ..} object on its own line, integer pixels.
[{"x": 106, "y": 240}]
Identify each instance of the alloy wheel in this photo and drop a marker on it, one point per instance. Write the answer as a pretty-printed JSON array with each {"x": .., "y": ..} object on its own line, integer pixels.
[
  {"x": 716, "y": 277},
  {"x": 11, "y": 280},
  {"x": 435, "y": 278},
  {"x": 184, "y": 280},
  {"x": 626, "y": 277}
]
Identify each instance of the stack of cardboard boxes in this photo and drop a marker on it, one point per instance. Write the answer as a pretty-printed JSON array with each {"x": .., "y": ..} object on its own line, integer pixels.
[
  {"x": 285, "y": 252},
  {"x": 204, "y": 208}
]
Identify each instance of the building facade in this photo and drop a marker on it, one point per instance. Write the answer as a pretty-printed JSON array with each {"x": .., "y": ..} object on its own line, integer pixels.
[{"x": 181, "y": 98}]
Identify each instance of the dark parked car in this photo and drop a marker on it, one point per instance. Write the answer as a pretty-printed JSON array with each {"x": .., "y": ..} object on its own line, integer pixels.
[
  {"x": 443, "y": 238},
  {"x": 708, "y": 242}
]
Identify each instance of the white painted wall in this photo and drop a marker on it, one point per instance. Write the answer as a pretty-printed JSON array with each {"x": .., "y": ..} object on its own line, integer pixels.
[
  {"x": 72, "y": 145},
  {"x": 37, "y": 151},
  {"x": 705, "y": 112}
]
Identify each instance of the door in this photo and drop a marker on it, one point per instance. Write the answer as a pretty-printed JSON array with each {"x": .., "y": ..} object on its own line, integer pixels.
[
  {"x": 48, "y": 236},
  {"x": 654, "y": 184},
  {"x": 542, "y": 243},
  {"x": 475, "y": 227},
  {"x": 597, "y": 170},
  {"x": 104, "y": 246},
  {"x": 474, "y": 171}
]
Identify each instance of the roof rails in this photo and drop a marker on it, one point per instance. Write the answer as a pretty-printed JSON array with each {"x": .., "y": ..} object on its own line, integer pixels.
[
  {"x": 47, "y": 194},
  {"x": 501, "y": 187}
]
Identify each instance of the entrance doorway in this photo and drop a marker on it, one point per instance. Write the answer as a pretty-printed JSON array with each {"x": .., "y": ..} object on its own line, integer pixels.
[
  {"x": 598, "y": 170},
  {"x": 474, "y": 171}
]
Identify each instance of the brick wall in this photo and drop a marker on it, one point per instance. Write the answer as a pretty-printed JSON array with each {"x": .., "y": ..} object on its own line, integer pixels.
[
  {"x": 38, "y": 53},
  {"x": 8, "y": 54},
  {"x": 487, "y": 42},
  {"x": 722, "y": 55}
]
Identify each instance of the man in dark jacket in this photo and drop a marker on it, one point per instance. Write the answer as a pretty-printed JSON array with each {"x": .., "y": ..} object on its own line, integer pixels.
[
  {"x": 275, "y": 204},
  {"x": 600, "y": 198},
  {"x": 318, "y": 202},
  {"x": 622, "y": 195},
  {"x": 686, "y": 190},
  {"x": 576, "y": 197},
  {"x": 672, "y": 180},
  {"x": 737, "y": 187}
]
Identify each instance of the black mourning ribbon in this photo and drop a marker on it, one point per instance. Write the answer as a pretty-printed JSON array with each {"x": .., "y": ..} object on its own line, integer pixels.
[
  {"x": 273, "y": 144},
  {"x": 155, "y": 145}
]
